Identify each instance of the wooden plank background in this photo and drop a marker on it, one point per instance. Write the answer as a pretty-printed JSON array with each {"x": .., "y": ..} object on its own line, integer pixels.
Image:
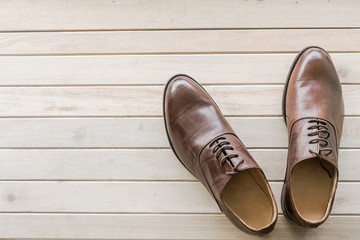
[{"x": 83, "y": 149}]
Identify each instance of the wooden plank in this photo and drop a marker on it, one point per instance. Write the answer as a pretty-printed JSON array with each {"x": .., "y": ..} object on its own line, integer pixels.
[
  {"x": 161, "y": 226},
  {"x": 131, "y": 197},
  {"x": 269, "y": 132},
  {"x": 160, "y": 14},
  {"x": 106, "y": 164},
  {"x": 157, "y": 69},
  {"x": 188, "y": 41},
  {"x": 105, "y": 193},
  {"x": 124, "y": 101}
]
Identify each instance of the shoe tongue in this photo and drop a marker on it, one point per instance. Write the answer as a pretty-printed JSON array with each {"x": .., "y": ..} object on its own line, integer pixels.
[
  {"x": 243, "y": 160},
  {"x": 301, "y": 148},
  {"x": 216, "y": 174},
  {"x": 323, "y": 157},
  {"x": 327, "y": 167}
]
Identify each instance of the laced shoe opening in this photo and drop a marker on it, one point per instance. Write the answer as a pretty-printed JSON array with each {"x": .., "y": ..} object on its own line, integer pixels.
[
  {"x": 249, "y": 196},
  {"x": 220, "y": 146},
  {"x": 313, "y": 183}
]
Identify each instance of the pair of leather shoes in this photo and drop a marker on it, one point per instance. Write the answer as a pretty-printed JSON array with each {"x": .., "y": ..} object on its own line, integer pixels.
[{"x": 208, "y": 147}]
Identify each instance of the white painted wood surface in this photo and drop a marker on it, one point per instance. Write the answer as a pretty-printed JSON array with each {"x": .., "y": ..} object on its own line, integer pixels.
[
  {"x": 141, "y": 132},
  {"x": 177, "y": 42},
  {"x": 103, "y": 164},
  {"x": 133, "y": 197},
  {"x": 244, "y": 100},
  {"x": 155, "y": 69},
  {"x": 83, "y": 149},
  {"x": 183, "y": 14}
]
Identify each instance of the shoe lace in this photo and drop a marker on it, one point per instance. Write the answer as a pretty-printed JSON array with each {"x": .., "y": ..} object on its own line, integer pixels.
[
  {"x": 322, "y": 140},
  {"x": 220, "y": 146}
]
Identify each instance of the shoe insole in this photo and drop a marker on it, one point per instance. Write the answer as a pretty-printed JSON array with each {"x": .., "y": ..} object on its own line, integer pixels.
[
  {"x": 249, "y": 197},
  {"x": 312, "y": 187}
]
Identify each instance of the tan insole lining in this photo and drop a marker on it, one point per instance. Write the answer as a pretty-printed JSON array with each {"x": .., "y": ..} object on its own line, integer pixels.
[
  {"x": 248, "y": 196},
  {"x": 312, "y": 187}
]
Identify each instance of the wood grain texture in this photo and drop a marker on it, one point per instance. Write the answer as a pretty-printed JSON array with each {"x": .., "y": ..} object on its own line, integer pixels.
[
  {"x": 81, "y": 132},
  {"x": 136, "y": 164},
  {"x": 162, "y": 226},
  {"x": 241, "y": 100},
  {"x": 164, "y": 14},
  {"x": 255, "y": 132},
  {"x": 134, "y": 197},
  {"x": 188, "y": 41},
  {"x": 157, "y": 69}
]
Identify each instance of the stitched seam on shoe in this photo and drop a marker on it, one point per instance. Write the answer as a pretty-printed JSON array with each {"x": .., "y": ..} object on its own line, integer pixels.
[
  {"x": 197, "y": 130},
  {"x": 186, "y": 110},
  {"x": 177, "y": 130}
]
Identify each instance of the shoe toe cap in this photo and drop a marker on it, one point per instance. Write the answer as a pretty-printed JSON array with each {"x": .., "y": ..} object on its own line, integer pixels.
[{"x": 181, "y": 93}]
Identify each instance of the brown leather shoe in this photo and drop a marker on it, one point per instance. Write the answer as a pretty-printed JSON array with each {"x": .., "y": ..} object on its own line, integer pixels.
[
  {"x": 207, "y": 146},
  {"x": 314, "y": 113}
]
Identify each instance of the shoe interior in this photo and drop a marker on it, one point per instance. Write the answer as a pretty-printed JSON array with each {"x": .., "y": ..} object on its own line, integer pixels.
[
  {"x": 248, "y": 195},
  {"x": 313, "y": 184}
]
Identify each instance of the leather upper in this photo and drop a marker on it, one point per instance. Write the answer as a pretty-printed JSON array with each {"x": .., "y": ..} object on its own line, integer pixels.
[
  {"x": 313, "y": 94},
  {"x": 193, "y": 121},
  {"x": 314, "y": 90}
]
